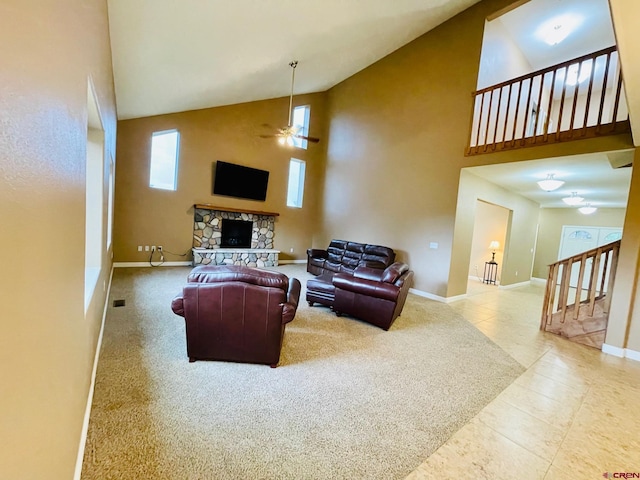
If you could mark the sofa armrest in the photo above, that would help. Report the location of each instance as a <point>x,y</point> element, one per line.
<point>370,288</point>
<point>290,307</point>
<point>317,253</point>
<point>177,305</point>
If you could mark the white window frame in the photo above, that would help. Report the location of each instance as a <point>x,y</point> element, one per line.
<point>157,155</point>
<point>304,112</point>
<point>295,185</point>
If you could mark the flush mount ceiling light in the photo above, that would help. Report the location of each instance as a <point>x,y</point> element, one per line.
<point>556,29</point>
<point>550,184</point>
<point>584,72</point>
<point>587,209</point>
<point>574,199</point>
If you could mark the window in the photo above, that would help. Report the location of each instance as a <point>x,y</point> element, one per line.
<point>112,179</point>
<point>164,159</point>
<point>295,191</point>
<point>301,120</point>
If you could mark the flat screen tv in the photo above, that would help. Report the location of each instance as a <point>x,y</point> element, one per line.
<point>239,181</point>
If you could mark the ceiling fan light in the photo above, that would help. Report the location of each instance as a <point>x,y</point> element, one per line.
<point>587,209</point>
<point>282,140</point>
<point>550,184</point>
<point>574,199</point>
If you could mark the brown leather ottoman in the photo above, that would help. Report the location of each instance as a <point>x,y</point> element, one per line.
<point>321,290</point>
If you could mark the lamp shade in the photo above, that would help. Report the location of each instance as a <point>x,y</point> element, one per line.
<point>549,184</point>
<point>494,245</point>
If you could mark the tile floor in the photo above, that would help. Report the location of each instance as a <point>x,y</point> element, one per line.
<point>574,413</point>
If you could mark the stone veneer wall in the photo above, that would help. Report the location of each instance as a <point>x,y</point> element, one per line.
<point>255,258</point>
<point>207,230</point>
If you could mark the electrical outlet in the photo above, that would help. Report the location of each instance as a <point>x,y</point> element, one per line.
<point>159,248</point>
<point>146,248</point>
<point>153,248</point>
<point>139,248</point>
<point>291,250</point>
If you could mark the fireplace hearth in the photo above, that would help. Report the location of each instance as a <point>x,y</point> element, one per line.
<point>236,233</point>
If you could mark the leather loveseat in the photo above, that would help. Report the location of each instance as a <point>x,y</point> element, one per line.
<point>373,295</point>
<point>236,313</point>
<point>362,278</point>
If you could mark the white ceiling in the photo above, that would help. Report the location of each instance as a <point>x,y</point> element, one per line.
<point>593,32</point>
<point>591,176</point>
<point>171,56</point>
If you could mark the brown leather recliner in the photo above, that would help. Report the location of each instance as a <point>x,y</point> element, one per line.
<point>236,313</point>
<point>373,295</point>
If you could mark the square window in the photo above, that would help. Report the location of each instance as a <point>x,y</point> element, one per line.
<point>164,159</point>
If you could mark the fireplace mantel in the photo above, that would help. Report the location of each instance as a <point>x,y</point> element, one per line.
<point>207,206</point>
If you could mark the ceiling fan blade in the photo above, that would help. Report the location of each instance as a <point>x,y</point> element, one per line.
<point>310,139</point>
<point>269,136</point>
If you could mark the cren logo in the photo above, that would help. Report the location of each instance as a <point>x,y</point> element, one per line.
<point>621,475</point>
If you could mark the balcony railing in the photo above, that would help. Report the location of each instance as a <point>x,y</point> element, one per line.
<point>580,98</point>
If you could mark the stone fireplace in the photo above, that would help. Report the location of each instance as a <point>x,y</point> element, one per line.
<point>227,236</point>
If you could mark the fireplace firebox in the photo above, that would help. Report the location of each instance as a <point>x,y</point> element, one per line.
<point>236,233</point>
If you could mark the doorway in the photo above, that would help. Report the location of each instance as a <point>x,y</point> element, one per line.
<point>490,229</point>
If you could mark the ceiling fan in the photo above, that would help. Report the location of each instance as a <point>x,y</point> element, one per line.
<point>286,134</point>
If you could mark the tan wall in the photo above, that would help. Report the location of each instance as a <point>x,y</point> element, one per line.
<point>623,329</point>
<point>490,224</point>
<point>551,222</point>
<point>398,132</point>
<point>47,344</point>
<point>520,235</point>
<point>147,216</point>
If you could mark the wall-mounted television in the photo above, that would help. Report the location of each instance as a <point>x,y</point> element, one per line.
<point>239,181</point>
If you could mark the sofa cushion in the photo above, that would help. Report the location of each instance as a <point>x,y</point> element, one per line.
<point>322,283</point>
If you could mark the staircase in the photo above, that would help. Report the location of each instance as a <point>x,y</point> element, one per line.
<point>578,295</point>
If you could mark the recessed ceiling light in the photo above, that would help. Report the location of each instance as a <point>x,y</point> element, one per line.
<point>556,29</point>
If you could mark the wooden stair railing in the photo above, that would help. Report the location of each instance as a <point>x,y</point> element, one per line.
<point>579,319</point>
<point>577,99</point>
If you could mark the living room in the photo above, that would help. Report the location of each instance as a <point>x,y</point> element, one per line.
<point>391,161</point>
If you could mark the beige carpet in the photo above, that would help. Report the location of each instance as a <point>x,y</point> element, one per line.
<point>348,401</point>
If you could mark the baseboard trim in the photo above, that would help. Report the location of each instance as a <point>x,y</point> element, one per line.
<point>633,355</point>
<point>146,264</point>
<point>287,262</point>
<point>621,352</point>
<point>515,285</point>
<point>538,281</point>
<point>611,350</point>
<point>437,298</point>
<point>92,384</point>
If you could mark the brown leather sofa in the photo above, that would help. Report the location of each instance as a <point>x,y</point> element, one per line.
<point>344,256</point>
<point>373,295</point>
<point>360,280</point>
<point>236,313</point>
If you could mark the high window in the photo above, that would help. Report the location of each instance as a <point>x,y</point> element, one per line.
<point>301,120</point>
<point>295,192</point>
<point>164,159</point>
